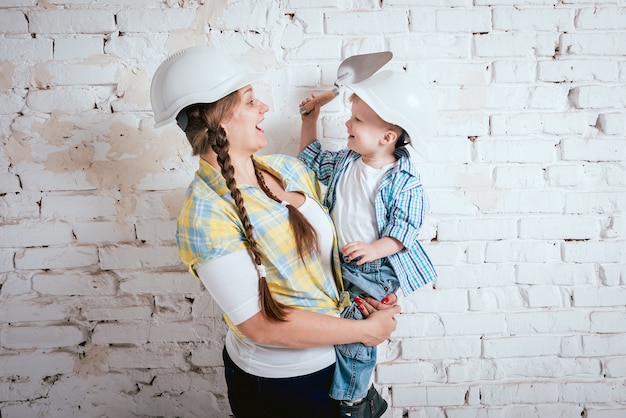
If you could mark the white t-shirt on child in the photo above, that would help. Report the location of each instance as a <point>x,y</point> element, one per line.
<point>353,213</point>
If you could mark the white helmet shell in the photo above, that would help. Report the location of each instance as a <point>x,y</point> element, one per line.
<point>399,99</point>
<point>200,74</point>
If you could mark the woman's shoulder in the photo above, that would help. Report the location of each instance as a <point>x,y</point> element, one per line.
<point>295,173</point>
<point>277,158</point>
<point>202,202</point>
<point>286,165</point>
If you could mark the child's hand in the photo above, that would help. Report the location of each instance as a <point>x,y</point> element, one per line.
<point>356,249</point>
<point>308,128</point>
<point>314,113</point>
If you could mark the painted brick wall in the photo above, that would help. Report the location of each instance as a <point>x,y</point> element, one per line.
<point>526,175</point>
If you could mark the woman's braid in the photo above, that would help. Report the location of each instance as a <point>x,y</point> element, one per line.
<point>307,240</point>
<point>272,308</point>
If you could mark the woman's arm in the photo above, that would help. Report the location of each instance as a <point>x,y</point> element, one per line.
<point>232,281</point>
<point>305,329</point>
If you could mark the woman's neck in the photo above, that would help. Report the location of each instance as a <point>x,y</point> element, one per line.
<point>242,166</point>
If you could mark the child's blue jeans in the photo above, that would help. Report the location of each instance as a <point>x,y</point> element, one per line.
<point>356,362</point>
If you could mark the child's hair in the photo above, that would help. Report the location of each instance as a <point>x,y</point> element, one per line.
<point>204,132</point>
<point>403,136</point>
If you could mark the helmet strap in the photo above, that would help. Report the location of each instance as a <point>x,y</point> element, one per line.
<point>182,119</point>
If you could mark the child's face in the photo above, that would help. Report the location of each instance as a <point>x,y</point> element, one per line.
<point>367,131</point>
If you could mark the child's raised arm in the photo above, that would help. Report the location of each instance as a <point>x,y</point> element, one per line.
<point>308,130</point>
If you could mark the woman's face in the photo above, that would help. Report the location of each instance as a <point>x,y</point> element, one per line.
<point>242,126</point>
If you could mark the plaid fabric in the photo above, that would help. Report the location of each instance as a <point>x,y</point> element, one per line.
<point>209,227</point>
<point>400,208</point>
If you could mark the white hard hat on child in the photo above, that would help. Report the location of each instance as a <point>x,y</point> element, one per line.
<point>200,74</point>
<point>400,100</point>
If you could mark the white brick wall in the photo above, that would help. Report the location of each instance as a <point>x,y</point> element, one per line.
<point>526,177</point>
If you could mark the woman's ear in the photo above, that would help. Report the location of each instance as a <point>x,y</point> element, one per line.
<point>225,124</point>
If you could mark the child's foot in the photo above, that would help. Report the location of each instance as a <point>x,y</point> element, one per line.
<point>373,406</point>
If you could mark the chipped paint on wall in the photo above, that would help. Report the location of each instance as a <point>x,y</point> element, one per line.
<point>93,362</point>
<point>55,131</point>
<point>40,77</point>
<point>260,59</point>
<point>114,153</point>
<point>7,71</point>
<point>207,15</point>
<point>45,4</point>
<point>102,60</point>
<point>125,141</point>
<point>70,160</point>
<point>173,201</point>
<point>213,12</point>
<point>17,149</point>
<point>134,84</point>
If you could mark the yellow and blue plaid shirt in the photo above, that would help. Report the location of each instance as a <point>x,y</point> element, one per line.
<point>209,227</point>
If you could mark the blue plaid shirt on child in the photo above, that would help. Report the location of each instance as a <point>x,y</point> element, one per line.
<point>400,207</point>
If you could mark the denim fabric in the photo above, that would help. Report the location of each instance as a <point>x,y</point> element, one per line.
<point>376,279</point>
<point>355,362</point>
<point>258,397</point>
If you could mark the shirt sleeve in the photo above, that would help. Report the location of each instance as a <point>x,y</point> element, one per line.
<point>208,228</point>
<point>405,216</point>
<point>321,162</point>
<point>233,282</point>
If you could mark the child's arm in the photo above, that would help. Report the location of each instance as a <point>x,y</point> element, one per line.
<point>308,130</point>
<point>380,248</point>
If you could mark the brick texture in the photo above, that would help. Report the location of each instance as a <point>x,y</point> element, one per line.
<point>526,178</point>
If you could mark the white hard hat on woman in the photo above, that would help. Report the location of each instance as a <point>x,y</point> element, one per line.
<point>200,74</point>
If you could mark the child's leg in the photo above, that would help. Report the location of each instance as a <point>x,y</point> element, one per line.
<point>356,362</point>
<point>354,366</point>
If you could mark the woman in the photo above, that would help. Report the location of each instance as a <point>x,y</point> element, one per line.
<point>253,230</point>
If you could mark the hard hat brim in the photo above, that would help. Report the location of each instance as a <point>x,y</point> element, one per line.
<point>398,100</point>
<point>206,96</point>
<point>200,74</point>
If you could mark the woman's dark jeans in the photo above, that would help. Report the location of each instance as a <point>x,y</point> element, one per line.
<point>293,397</point>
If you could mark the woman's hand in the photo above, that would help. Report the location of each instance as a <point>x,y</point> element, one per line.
<point>382,323</point>
<point>370,305</point>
